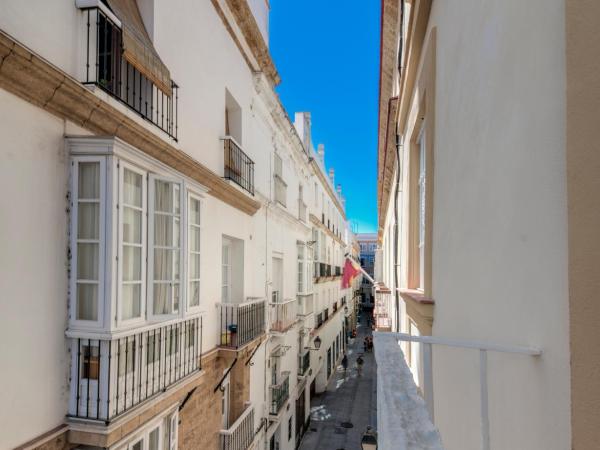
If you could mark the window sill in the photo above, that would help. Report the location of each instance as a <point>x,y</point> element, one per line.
<point>419,308</point>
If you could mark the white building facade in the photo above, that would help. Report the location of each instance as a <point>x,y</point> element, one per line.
<point>167,214</point>
<point>483,182</point>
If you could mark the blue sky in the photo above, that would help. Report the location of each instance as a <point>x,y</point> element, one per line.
<point>327,53</point>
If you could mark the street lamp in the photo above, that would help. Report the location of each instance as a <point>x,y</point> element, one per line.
<point>317,344</point>
<point>369,440</point>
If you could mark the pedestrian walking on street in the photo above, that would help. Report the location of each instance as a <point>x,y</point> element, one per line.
<point>365,344</point>
<point>345,363</point>
<point>359,364</point>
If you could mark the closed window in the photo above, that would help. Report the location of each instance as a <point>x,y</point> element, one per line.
<point>88,232</point>
<point>166,238</point>
<point>132,257</point>
<point>194,251</point>
<point>280,185</point>
<point>226,272</point>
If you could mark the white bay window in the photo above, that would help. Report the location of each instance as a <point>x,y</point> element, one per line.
<point>135,231</point>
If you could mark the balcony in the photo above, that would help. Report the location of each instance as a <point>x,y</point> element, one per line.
<point>238,167</point>
<point>240,435</point>
<point>111,377</point>
<point>240,323</point>
<point>280,392</point>
<point>325,314</point>
<point>303,363</point>
<point>107,69</point>
<point>283,315</point>
<point>305,305</point>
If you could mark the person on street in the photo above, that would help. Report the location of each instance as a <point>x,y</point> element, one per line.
<point>345,363</point>
<point>359,364</point>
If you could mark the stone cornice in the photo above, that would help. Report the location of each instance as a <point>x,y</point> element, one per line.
<point>387,69</point>
<point>387,169</point>
<point>37,81</point>
<point>251,33</point>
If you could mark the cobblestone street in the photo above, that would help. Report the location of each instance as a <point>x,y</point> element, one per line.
<point>350,399</point>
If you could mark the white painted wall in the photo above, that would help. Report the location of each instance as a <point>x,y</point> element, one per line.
<point>499,232</point>
<point>33,275</point>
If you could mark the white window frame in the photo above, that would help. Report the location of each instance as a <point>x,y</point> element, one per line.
<point>421,205</point>
<point>152,178</point>
<point>145,254</point>
<point>191,195</point>
<point>228,244</point>
<point>75,161</point>
<point>172,418</point>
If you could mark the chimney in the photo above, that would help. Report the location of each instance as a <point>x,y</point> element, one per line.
<point>302,125</point>
<point>321,153</point>
<point>332,176</point>
<point>339,190</point>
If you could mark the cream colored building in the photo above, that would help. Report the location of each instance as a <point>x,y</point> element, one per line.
<point>488,192</point>
<point>158,254</point>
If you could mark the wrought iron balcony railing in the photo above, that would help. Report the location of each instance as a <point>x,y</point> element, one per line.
<point>110,377</point>
<point>303,363</point>
<point>280,392</point>
<point>239,168</point>
<point>106,68</point>
<point>240,323</point>
<point>240,435</point>
<point>283,315</point>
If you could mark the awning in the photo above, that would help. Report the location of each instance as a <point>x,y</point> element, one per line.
<point>137,45</point>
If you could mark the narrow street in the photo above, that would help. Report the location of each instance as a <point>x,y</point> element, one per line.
<point>340,415</point>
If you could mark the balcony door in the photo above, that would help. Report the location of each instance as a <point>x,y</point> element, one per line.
<point>277,280</point>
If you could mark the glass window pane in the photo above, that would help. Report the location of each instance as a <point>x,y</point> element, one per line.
<point>162,298</point>
<point>88,220</point>
<point>163,196</point>
<point>132,226</point>
<point>87,261</point>
<point>89,180</point>
<point>87,301</point>
<point>153,439</point>
<point>176,199</point>
<point>194,239</point>
<point>132,188</point>
<point>163,231</point>
<point>176,232</point>
<point>194,211</point>
<point>175,264</point>
<point>194,293</point>
<point>132,263</point>
<point>131,301</point>
<point>163,265</point>
<point>176,298</point>
<point>194,266</point>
